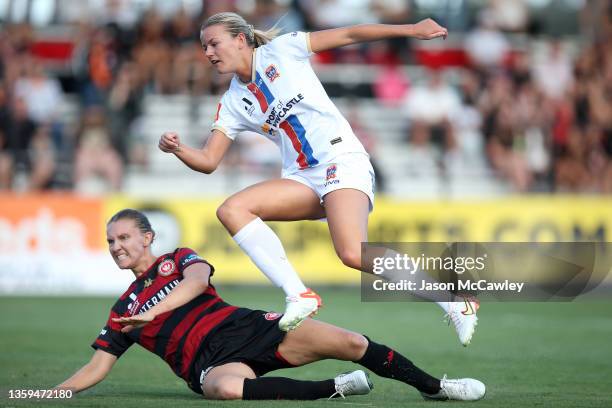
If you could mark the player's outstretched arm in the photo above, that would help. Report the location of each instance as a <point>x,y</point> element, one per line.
<point>338,37</point>
<point>195,282</point>
<point>91,373</point>
<point>204,160</point>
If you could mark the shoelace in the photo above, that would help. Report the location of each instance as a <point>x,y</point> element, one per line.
<point>339,391</point>
<point>341,388</point>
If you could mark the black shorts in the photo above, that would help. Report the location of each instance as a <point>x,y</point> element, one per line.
<point>247,336</point>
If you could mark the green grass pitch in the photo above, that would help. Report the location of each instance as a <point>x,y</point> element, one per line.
<point>528,354</point>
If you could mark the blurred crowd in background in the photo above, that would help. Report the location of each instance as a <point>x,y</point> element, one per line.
<point>529,81</point>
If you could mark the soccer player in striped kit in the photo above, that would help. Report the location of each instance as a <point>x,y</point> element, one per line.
<point>221,350</point>
<point>326,171</point>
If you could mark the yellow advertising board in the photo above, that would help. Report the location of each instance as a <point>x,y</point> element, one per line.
<point>192,223</point>
<point>54,243</point>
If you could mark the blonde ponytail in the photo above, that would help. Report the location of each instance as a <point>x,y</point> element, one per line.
<point>235,24</point>
<point>264,37</point>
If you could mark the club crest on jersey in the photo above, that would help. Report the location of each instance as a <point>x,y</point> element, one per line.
<point>267,129</point>
<point>272,73</point>
<point>166,267</point>
<point>331,172</point>
<point>272,316</point>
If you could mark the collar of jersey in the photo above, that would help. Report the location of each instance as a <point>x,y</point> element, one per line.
<point>149,272</point>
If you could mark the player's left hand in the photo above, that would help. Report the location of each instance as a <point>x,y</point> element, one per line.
<point>428,29</point>
<point>134,322</point>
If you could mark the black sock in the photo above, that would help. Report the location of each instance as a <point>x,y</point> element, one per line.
<point>280,388</point>
<point>390,364</point>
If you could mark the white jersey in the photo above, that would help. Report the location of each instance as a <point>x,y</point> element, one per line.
<point>286,103</point>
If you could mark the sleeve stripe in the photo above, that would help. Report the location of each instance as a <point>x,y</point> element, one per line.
<point>102,343</point>
<point>308,46</point>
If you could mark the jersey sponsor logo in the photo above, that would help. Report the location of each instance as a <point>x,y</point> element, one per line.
<point>133,307</point>
<point>330,177</point>
<point>278,112</point>
<point>272,73</point>
<point>156,298</point>
<point>249,107</point>
<point>331,172</point>
<point>272,316</point>
<point>267,129</point>
<point>166,267</point>
<point>189,258</point>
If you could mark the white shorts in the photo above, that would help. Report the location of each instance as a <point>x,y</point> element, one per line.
<point>349,170</point>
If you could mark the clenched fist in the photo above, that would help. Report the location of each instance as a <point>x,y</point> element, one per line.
<point>169,142</point>
<point>428,29</point>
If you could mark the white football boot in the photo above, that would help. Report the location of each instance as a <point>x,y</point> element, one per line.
<point>463,317</point>
<point>462,389</point>
<point>352,383</point>
<point>298,308</point>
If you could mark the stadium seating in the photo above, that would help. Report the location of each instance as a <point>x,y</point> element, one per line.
<point>191,118</point>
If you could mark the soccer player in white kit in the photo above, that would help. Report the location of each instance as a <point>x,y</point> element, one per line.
<point>326,171</point>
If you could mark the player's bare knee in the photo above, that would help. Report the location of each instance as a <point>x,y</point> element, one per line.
<point>223,212</point>
<point>230,392</point>
<point>356,345</point>
<point>230,209</point>
<point>350,257</point>
<point>227,389</point>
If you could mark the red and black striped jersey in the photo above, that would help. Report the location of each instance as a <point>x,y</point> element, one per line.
<point>176,335</point>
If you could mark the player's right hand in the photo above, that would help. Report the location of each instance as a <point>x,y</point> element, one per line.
<point>169,142</point>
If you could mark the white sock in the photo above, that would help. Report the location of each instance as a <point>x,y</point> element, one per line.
<point>418,276</point>
<point>264,248</point>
